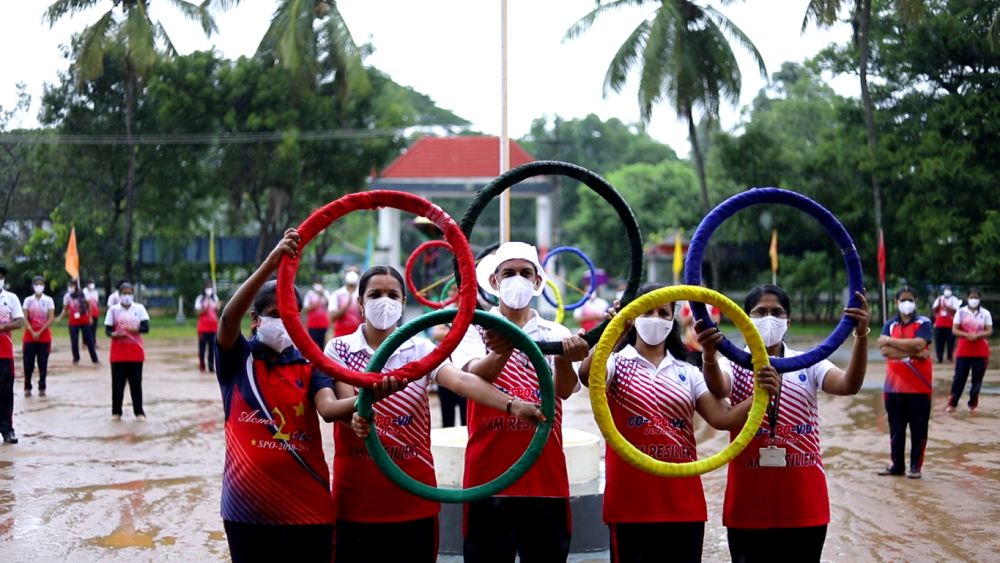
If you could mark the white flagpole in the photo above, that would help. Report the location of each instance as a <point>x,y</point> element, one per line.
<point>504,139</point>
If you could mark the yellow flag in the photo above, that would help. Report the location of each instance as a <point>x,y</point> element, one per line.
<point>72,258</point>
<point>678,255</point>
<point>774,252</point>
<point>211,253</point>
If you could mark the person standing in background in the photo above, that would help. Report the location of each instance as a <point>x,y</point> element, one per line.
<point>591,313</point>
<point>115,297</point>
<point>973,327</point>
<point>125,324</point>
<point>11,318</point>
<point>316,306</point>
<point>94,300</point>
<point>207,305</point>
<point>75,305</point>
<point>344,309</point>
<point>41,312</point>
<point>944,308</point>
<point>448,398</point>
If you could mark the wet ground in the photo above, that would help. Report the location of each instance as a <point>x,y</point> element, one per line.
<point>80,487</point>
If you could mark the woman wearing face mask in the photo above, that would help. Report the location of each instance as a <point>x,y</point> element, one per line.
<point>94,299</point>
<point>125,324</point>
<point>653,395</point>
<point>403,426</point>
<point>207,304</point>
<point>780,493</point>
<point>909,375</point>
<point>973,328</point>
<point>275,486</point>
<point>317,310</point>
<point>40,310</point>
<point>344,311</point>
<point>75,306</point>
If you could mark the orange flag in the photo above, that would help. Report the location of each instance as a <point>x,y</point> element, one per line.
<point>72,258</point>
<point>774,252</point>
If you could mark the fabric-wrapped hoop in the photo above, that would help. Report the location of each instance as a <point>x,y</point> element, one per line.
<point>590,265</point>
<point>411,262</point>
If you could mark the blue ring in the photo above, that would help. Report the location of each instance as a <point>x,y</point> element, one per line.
<point>757,196</point>
<point>593,276</point>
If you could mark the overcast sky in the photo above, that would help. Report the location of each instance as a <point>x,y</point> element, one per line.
<point>450,50</point>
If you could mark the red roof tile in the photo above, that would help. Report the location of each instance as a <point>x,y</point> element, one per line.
<point>454,157</point>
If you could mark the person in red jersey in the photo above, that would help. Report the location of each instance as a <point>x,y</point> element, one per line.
<point>40,310</point>
<point>125,324</point>
<point>11,318</point>
<point>207,305</point>
<point>275,485</point>
<point>909,375</point>
<point>496,528</point>
<point>344,311</point>
<point>77,308</point>
<point>94,299</point>
<point>403,424</point>
<point>653,394</point>
<point>973,328</point>
<point>317,309</point>
<point>944,308</point>
<point>777,507</point>
<point>591,313</point>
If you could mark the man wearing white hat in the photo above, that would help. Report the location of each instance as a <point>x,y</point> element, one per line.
<point>531,518</point>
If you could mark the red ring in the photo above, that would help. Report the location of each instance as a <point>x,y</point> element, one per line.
<point>323,218</point>
<point>412,261</point>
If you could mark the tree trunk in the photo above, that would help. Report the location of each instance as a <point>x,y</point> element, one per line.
<point>705,203</point>
<point>862,27</point>
<point>130,86</point>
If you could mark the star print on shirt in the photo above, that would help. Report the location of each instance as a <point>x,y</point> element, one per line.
<point>300,409</point>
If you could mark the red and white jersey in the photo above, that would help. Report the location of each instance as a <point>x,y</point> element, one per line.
<point>37,311</point>
<point>794,496</point>
<point>114,299</point>
<point>319,317</point>
<point>973,323</point>
<point>653,408</point>
<point>94,299</point>
<point>79,313</point>
<point>496,439</point>
<point>209,320</point>
<point>943,315</point>
<point>121,320</point>
<point>351,319</point>
<point>403,424</point>
<point>10,310</point>
<point>690,335</point>
<point>594,307</point>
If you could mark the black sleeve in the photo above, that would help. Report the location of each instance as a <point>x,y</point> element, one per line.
<point>108,331</point>
<point>143,327</point>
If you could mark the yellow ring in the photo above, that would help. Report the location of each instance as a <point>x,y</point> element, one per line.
<point>598,375</point>
<point>560,309</point>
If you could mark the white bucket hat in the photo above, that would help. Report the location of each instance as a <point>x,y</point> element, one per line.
<point>506,252</point>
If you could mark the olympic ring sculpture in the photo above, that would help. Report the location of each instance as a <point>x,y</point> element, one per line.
<point>411,261</point>
<point>598,375</point>
<point>758,196</point>
<point>595,183</point>
<point>548,407</point>
<point>323,218</point>
<point>560,309</point>
<point>590,265</point>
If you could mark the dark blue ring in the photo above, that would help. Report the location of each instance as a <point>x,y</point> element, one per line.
<point>593,276</point>
<point>758,196</point>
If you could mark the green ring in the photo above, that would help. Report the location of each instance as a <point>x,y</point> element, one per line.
<point>507,478</point>
<point>443,296</point>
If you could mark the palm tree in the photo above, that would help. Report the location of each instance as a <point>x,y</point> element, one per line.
<point>683,55</point>
<point>144,41</point>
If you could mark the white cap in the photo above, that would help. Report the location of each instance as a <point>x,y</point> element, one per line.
<point>506,252</point>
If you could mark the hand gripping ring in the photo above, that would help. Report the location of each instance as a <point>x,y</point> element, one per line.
<point>323,218</point>
<point>527,459</point>
<point>592,181</point>
<point>757,196</point>
<point>411,261</point>
<point>590,265</point>
<point>599,370</point>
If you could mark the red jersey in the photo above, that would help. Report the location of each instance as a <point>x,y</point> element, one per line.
<point>319,317</point>
<point>403,424</point>
<point>594,307</point>
<point>911,375</point>
<point>37,310</point>
<point>351,319</point>
<point>121,320</point>
<point>77,309</point>
<point>496,439</point>
<point>10,310</point>
<point>275,471</point>
<point>690,335</point>
<point>209,320</point>
<point>794,496</point>
<point>94,300</point>
<point>944,316</point>
<point>973,323</point>
<point>653,407</point>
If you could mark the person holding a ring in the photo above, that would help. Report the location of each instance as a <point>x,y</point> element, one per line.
<point>776,492</point>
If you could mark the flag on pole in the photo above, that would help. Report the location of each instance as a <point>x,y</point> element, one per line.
<point>678,257</point>
<point>72,257</point>
<point>211,254</point>
<point>773,253</point>
<point>881,258</point>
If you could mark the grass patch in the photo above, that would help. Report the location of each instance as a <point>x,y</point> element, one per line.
<point>160,328</point>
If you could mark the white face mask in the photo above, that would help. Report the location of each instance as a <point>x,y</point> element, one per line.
<point>318,287</point>
<point>973,302</point>
<point>39,288</point>
<point>771,329</point>
<point>619,294</point>
<point>208,292</point>
<point>653,330</point>
<point>351,278</point>
<point>516,292</point>
<point>272,333</point>
<point>906,307</point>
<point>71,290</point>
<point>126,299</point>
<point>947,293</point>
<point>383,312</point>
<point>91,286</point>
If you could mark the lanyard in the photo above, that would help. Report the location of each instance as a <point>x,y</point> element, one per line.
<point>773,404</point>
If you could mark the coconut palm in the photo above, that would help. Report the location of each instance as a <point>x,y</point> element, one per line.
<point>683,56</point>
<point>126,25</point>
